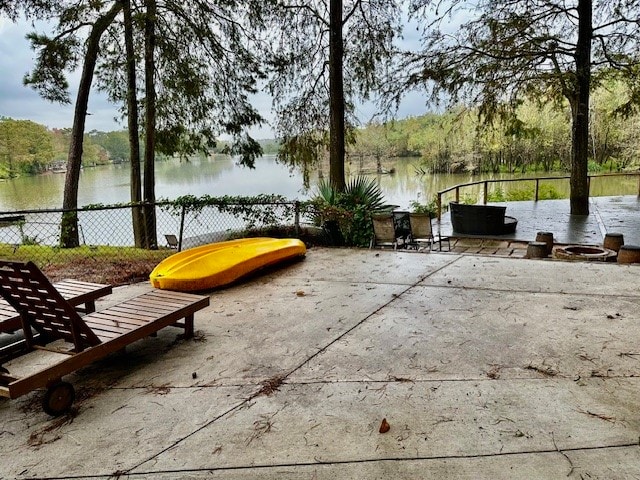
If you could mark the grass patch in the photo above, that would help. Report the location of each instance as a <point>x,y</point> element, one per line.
<point>102,264</point>
<point>121,265</point>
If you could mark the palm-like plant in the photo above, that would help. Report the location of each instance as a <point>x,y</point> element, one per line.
<point>363,191</point>
<point>347,215</point>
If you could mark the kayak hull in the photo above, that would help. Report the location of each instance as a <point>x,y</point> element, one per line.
<point>219,264</point>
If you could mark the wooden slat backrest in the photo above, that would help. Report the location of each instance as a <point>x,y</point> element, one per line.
<point>41,306</point>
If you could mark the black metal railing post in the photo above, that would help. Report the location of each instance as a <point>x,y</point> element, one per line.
<point>182,214</point>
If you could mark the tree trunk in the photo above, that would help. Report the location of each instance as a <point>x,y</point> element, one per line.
<point>150,126</point>
<point>69,236</point>
<point>132,123</point>
<point>336,98</point>
<point>580,112</point>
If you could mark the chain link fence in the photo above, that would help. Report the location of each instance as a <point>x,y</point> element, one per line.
<point>106,232</point>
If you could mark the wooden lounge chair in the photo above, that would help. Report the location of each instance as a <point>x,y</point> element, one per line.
<point>81,340</point>
<point>422,232</point>
<point>384,231</point>
<point>75,292</point>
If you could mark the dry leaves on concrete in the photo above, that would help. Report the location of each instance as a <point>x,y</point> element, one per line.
<point>384,426</point>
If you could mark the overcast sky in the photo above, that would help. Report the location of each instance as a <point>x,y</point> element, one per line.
<point>20,102</point>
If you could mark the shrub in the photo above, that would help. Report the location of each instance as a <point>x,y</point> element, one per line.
<point>498,195</point>
<point>469,199</point>
<point>430,208</point>
<point>593,167</point>
<point>548,192</point>
<point>545,192</point>
<point>346,216</point>
<point>520,194</point>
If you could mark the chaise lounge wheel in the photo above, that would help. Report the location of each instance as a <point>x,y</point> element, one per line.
<point>58,398</point>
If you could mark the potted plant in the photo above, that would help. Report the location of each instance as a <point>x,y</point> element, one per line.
<point>429,208</point>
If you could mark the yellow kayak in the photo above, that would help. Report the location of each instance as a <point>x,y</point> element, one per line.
<point>218,264</point>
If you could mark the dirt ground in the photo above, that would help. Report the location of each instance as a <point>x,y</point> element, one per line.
<point>116,272</point>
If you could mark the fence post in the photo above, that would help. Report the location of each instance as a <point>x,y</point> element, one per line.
<point>537,187</point>
<point>296,220</point>
<point>457,195</point>
<point>486,191</point>
<point>184,207</point>
<point>439,204</point>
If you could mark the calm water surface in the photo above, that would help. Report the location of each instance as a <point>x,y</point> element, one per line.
<point>217,176</point>
<point>109,184</point>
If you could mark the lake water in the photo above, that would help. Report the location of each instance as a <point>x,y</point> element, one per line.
<point>220,175</point>
<point>109,184</point>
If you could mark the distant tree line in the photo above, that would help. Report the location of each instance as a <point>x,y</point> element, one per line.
<point>28,148</point>
<point>453,141</point>
<point>537,139</point>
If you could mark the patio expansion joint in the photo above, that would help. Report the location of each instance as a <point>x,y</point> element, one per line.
<point>390,380</point>
<point>590,294</point>
<point>544,451</point>
<point>596,213</point>
<point>404,380</point>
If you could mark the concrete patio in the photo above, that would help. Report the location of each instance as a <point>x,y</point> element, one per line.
<point>484,367</point>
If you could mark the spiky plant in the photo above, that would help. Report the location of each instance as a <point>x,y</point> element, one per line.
<point>350,211</point>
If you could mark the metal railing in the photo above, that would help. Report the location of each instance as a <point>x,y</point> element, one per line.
<point>536,180</point>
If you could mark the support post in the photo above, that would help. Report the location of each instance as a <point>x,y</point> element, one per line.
<point>182,214</point>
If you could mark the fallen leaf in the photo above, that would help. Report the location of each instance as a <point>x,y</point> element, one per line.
<point>384,426</point>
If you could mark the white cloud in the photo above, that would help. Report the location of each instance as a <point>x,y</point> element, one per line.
<point>21,102</point>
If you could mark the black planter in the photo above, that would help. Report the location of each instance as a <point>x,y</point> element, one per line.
<point>332,233</point>
<point>481,219</point>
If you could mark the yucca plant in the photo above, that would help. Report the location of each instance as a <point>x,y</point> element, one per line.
<point>346,216</point>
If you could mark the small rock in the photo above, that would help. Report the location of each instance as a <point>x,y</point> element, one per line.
<point>194,375</point>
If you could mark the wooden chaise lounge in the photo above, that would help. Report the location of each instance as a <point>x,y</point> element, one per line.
<point>81,340</point>
<point>75,292</point>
